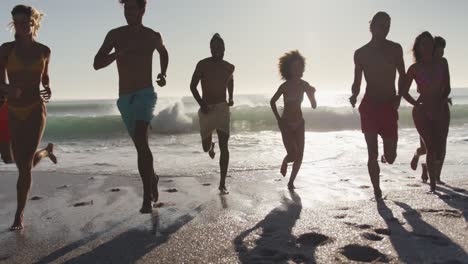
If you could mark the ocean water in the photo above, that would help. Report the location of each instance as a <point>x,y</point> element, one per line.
<point>90,137</point>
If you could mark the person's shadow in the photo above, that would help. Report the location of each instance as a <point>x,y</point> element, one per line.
<point>424,244</point>
<point>275,243</point>
<point>129,246</point>
<point>454,199</point>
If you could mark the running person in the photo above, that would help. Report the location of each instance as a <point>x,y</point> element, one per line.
<point>379,60</point>
<point>134,46</point>
<point>26,62</point>
<point>216,77</point>
<point>291,122</point>
<point>431,112</point>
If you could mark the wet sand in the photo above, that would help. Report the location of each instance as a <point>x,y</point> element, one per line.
<point>94,219</point>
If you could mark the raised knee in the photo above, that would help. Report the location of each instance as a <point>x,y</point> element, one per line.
<point>390,158</point>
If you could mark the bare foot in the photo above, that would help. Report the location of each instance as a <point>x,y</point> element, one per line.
<point>284,168</point>
<point>222,190</point>
<point>146,208</point>
<point>415,161</point>
<point>154,186</point>
<point>50,149</point>
<point>291,186</point>
<point>424,175</point>
<point>212,152</point>
<point>378,195</point>
<point>18,223</point>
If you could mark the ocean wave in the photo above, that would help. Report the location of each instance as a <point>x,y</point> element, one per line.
<point>174,120</point>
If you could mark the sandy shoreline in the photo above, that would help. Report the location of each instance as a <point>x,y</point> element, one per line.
<point>258,222</point>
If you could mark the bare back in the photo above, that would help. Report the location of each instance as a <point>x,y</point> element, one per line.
<point>379,65</point>
<point>215,77</point>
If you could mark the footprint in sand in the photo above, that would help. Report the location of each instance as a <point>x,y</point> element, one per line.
<point>313,239</point>
<point>171,190</point>
<point>413,185</point>
<point>168,181</point>
<point>443,212</point>
<point>383,231</point>
<point>278,180</point>
<point>343,209</point>
<point>410,177</point>
<point>340,216</point>
<point>388,180</point>
<point>36,198</point>
<point>206,184</point>
<point>63,187</point>
<point>359,226</point>
<point>372,237</point>
<point>83,203</point>
<point>344,180</point>
<point>364,187</point>
<point>362,253</point>
<point>115,190</point>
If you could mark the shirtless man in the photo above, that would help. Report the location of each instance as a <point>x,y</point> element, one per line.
<point>216,76</point>
<point>379,60</point>
<point>134,46</point>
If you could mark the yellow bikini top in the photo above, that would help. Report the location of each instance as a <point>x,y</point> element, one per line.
<point>15,64</point>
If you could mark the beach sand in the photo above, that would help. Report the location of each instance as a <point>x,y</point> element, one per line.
<point>76,218</point>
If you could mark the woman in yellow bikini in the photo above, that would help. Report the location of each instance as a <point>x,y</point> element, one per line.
<point>25,61</point>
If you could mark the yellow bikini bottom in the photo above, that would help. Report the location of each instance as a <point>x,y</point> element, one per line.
<point>23,112</point>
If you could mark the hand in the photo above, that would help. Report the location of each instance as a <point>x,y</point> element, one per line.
<point>204,108</point>
<point>353,100</point>
<point>230,103</point>
<point>46,94</point>
<point>161,80</point>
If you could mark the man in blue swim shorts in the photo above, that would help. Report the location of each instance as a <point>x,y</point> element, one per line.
<point>134,46</point>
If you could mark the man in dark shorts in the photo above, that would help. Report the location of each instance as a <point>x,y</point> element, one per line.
<point>134,45</point>
<point>379,60</point>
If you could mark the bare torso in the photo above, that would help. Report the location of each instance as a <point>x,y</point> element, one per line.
<point>293,96</point>
<point>214,76</point>
<point>135,65</point>
<point>379,65</point>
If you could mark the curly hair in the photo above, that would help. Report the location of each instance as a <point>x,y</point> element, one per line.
<point>416,52</point>
<point>32,13</point>
<point>141,3</point>
<point>287,60</point>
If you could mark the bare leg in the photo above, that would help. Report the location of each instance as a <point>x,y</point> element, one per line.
<point>209,146</point>
<point>223,159</point>
<point>419,152</point>
<point>48,152</point>
<point>299,137</point>
<point>5,151</point>
<point>373,164</point>
<point>145,165</point>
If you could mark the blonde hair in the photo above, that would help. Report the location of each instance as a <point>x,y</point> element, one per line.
<point>34,15</point>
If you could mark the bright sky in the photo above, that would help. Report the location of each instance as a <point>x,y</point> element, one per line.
<point>256,33</point>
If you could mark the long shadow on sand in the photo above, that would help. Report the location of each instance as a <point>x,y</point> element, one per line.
<point>276,243</point>
<point>127,247</point>
<point>455,200</point>
<point>424,244</point>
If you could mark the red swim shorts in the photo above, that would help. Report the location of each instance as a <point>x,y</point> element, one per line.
<point>4,129</point>
<point>381,119</point>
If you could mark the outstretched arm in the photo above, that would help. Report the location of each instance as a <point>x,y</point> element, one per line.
<point>448,87</point>
<point>231,91</point>
<point>356,88</point>
<point>3,61</point>
<point>47,92</point>
<point>404,91</point>
<point>196,77</point>
<point>273,100</point>
<point>401,73</point>
<point>104,58</point>
<point>163,60</point>
<point>310,91</point>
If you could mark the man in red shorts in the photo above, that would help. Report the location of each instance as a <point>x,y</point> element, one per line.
<point>379,60</point>
<point>5,145</point>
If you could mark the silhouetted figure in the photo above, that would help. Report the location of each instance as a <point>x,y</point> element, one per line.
<point>439,49</point>
<point>379,60</point>
<point>431,111</point>
<point>291,122</point>
<point>5,138</point>
<point>26,62</point>
<point>134,46</point>
<point>216,77</point>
